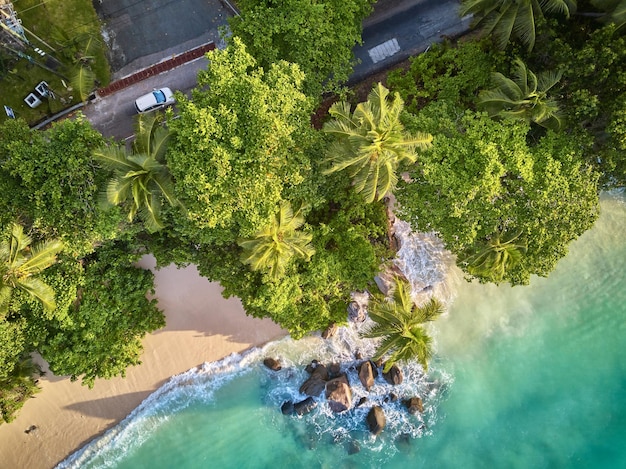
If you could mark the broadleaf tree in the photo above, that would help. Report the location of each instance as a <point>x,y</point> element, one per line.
<point>482,178</point>
<point>51,180</point>
<point>318,36</point>
<point>240,146</point>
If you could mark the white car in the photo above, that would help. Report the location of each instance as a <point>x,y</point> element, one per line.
<point>156,99</point>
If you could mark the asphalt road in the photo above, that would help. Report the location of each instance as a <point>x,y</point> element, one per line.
<point>140,33</point>
<point>406,29</point>
<point>113,115</point>
<point>410,30</point>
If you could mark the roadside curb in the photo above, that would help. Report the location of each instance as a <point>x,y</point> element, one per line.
<point>163,66</point>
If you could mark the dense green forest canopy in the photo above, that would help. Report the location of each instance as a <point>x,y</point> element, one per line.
<point>242,185</point>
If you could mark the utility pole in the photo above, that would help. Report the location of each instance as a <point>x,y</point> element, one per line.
<point>11,25</point>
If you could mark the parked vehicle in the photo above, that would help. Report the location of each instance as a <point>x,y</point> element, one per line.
<point>156,99</point>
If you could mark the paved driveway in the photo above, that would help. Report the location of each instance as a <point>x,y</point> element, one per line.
<point>140,33</point>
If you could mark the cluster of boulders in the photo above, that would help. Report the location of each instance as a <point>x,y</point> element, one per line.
<point>333,383</point>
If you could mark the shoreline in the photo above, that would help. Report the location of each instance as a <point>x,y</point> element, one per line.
<point>201,326</point>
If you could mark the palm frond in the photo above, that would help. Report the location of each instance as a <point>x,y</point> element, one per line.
<point>83,81</point>
<point>42,256</point>
<point>39,290</point>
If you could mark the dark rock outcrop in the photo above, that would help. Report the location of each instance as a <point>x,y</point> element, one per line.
<point>339,394</point>
<point>287,408</point>
<point>362,401</point>
<point>313,386</point>
<point>316,369</point>
<point>272,364</point>
<point>366,375</point>
<point>376,420</point>
<point>394,375</point>
<point>305,406</point>
<point>334,370</point>
<point>391,398</point>
<point>414,405</point>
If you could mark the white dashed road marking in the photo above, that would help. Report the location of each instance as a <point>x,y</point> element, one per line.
<point>384,50</point>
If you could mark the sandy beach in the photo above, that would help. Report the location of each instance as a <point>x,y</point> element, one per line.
<point>201,326</point>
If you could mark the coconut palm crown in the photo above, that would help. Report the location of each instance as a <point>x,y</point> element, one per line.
<point>525,96</point>
<point>141,177</point>
<point>275,245</point>
<point>504,19</point>
<point>400,323</point>
<point>497,256</point>
<point>19,265</point>
<point>615,12</point>
<point>371,142</point>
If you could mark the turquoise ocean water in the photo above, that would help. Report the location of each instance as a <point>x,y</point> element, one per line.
<point>525,377</point>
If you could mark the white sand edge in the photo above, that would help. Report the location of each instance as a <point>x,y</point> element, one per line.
<point>201,326</point>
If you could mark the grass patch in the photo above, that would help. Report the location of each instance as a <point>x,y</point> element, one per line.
<point>63,28</point>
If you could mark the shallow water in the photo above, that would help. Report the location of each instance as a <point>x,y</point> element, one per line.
<point>524,377</point>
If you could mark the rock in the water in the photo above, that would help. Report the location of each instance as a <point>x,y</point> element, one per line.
<point>414,405</point>
<point>394,375</point>
<point>339,394</point>
<point>305,406</point>
<point>272,364</point>
<point>287,408</point>
<point>353,447</point>
<point>366,375</point>
<point>316,369</point>
<point>376,420</point>
<point>311,366</point>
<point>334,370</point>
<point>362,401</point>
<point>330,331</point>
<point>313,386</point>
<point>358,355</point>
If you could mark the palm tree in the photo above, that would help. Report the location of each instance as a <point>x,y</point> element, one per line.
<point>523,97</point>
<point>19,265</point>
<point>615,12</point>
<point>273,247</point>
<point>506,18</point>
<point>141,176</point>
<point>400,323</point>
<point>371,142</point>
<point>496,256</point>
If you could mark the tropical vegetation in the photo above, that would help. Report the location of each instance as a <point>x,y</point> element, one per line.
<point>517,133</point>
<point>371,142</point>
<point>275,245</point>
<point>506,20</point>
<point>75,57</point>
<point>525,96</point>
<point>19,265</point>
<point>140,177</point>
<point>399,322</point>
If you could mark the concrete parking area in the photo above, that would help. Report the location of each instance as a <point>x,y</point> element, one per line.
<point>140,33</point>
